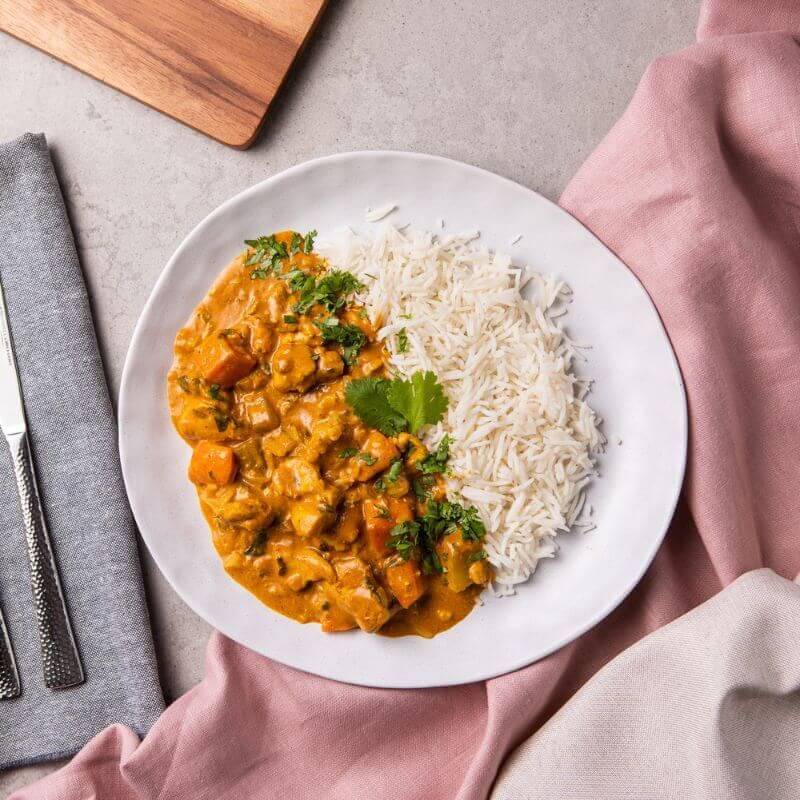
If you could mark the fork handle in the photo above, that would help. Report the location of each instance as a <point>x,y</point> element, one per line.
<point>9,677</point>
<point>60,660</point>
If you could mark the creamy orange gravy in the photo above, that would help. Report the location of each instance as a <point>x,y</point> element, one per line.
<point>286,472</point>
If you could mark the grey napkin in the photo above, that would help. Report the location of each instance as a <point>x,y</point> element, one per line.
<point>706,708</point>
<point>73,436</point>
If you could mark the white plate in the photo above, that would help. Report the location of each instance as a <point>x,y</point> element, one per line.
<point>638,392</point>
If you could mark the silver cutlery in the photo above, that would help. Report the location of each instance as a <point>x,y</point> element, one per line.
<point>60,660</point>
<point>9,677</point>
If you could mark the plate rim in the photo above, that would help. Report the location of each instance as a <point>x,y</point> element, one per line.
<point>603,611</point>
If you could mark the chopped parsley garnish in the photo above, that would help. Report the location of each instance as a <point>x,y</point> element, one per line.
<point>256,547</point>
<point>268,253</point>
<point>478,555</point>
<point>436,462</point>
<point>348,452</point>
<point>367,458</point>
<point>290,319</point>
<point>397,405</point>
<point>472,527</point>
<point>402,341</point>
<point>405,316</point>
<point>349,337</point>
<point>221,420</point>
<point>331,291</point>
<point>418,539</point>
<point>213,390</point>
<point>414,540</point>
<point>266,257</point>
<point>391,476</point>
<point>300,281</point>
<point>422,487</point>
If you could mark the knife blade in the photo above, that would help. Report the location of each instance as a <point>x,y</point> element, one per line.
<point>61,662</point>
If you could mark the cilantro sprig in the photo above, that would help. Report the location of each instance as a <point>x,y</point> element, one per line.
<point>398,405</point>
<point>368,398</point>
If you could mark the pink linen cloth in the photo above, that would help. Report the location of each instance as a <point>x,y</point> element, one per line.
<point>697,189</point>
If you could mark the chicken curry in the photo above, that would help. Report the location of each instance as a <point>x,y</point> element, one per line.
<point>322,499</point>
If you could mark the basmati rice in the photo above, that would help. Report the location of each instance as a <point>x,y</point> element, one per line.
<point>524,437</point>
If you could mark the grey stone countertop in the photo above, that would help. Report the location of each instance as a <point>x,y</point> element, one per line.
<point>525,88</point>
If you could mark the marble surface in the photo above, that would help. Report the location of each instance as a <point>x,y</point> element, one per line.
<point>525,88</point>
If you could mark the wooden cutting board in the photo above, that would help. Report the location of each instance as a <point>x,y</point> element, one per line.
<point>215,65</point>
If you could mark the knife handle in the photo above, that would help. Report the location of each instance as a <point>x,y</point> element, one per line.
<point>9,677</point>
<point>60,660</point>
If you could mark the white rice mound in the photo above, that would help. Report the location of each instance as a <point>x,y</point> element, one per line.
<point>524,438</point>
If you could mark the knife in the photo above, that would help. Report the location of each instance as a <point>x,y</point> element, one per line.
<point>61,663</point>
<point>9,677</point>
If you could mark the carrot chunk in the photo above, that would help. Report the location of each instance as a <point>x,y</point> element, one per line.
<point>222,363</point>
<point>212,463</point>
<point>406,582</point>
<point>377,526</point>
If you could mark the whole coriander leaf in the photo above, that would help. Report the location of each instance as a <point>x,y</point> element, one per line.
<point>421,400</point>
<point>367,397</point>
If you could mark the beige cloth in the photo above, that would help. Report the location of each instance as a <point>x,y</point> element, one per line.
<point>706,707</point>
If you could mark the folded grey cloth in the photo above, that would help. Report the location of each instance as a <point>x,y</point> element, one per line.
<point>707,707</point>
<point>73,436</point>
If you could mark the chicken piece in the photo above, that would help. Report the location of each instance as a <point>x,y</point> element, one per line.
<point>295,478</point>
<point>349,526</point>
<point>324,432</point>
<point>380,516</point>
<point>335,620</point>
<point>416,453</point>
<point>277,294</point>
<point>480,572</point>
<point>329,365</point>
<point>250,460</point>
<point>201,419</point>
<point>405,582</point>
<point>260,413</point>
<point>379,452</point>
<point>279,443</point>
<point>311,516</point>
<point>457,557</point>
<point>308,566</point>
<point>360,595</point>
<point>293,368</point>
<point>212,463</point>
<point>241,506</point>
<point>223,362</point>
<point>260,336</point>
